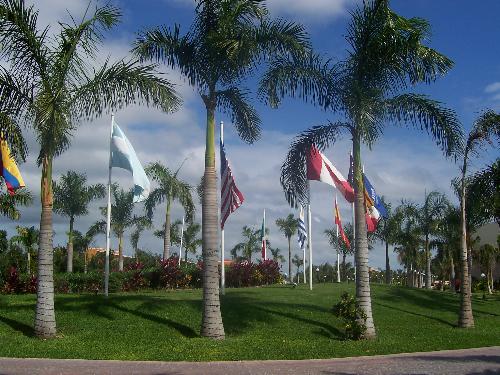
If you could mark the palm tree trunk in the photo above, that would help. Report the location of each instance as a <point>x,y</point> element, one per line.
<point>290,260</point>
<point>363,297</point>
<point>69,258</point>
<point>427,263</point>
<point>211,325</point>
<point>120,252</point>
<point>452,275</point>
<point>388,277</point>
<point>45,320</point>
<point>166,237</point>
<point>465,319</point>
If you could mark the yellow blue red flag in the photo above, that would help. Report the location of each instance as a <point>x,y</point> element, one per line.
<point>9,170</point>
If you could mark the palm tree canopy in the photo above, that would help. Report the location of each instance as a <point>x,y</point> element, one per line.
<point>252,243</point>
<point>175,233</point>
<point>169,187</point>
<point>27,236</point>
<point>141,224</point>
<point>484,187</point>
<point>72,195</point>
<point>228,40</point>
<point>288,226</point>
<point>191,241</point>
<point>52,84</point>
<point>368,89</point>
<point>9,203</point>
<point>387,228</point>
<point>122,211</point>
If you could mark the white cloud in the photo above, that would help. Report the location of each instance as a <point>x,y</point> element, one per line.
<point>492,87</point>
<point>317,9</point>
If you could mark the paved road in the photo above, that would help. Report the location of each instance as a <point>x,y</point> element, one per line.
<point>482,361</point>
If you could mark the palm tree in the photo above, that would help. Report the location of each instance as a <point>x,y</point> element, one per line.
<point>484,130</point>
<point>71,198</point>
<point>338,245</point>
<point>228,39</point>
<point>288,226</point>
<point>276,254</point>
<point>251,244</point>
<point>484,186</point>
<point>28,237</point>
<point>386,232</point>
<point>298,263</point>
<point>9,203</point>
<point>488,256</point>
<point>191,241</point>
<point>140,225</point>
<point>52,85</point>
<point>429,216</point>
<point>82,242</point>
<point>170,188</point>
<point>387,57</point>
<point>175,233</point>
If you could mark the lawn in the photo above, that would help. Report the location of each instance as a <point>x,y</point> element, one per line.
<point>276,322</point>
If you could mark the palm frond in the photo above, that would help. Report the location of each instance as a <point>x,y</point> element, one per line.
<point>120,84</point>
<point>293,171</point>
<point>15,93</point>
<point>421,112</point>
<point>485,129</point>
<point>11,132</point>
<point>245,118</point>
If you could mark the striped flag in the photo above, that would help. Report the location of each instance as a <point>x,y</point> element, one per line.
<point>231,197</point>
<point>9,170</point>
<point>338,222</point>
<point>301,230</point>
<point>321,169</point>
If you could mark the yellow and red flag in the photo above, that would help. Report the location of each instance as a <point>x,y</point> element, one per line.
<point>340,229</point>
<point>9,170</point>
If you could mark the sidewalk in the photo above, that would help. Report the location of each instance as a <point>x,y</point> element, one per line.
<point>481,361</point>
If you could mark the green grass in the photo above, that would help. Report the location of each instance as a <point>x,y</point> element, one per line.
<point>275,322</point>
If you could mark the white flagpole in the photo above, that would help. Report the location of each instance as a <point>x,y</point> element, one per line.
<point>264,237</point>
<point>303,253</point>
<point>338,252</point>
<point>108,214</point>
<point>182,237</point>
<point>222,267</point>
<point>309,242</point>
<point>353,219</point>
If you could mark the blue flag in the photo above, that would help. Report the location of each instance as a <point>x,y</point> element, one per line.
<point>373,199</point>
<point>123,156</point>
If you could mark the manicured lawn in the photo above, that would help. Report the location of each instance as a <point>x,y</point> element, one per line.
<point>275,322</point>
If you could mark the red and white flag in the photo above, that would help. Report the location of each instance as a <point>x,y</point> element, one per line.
<point>230,197</point>
<point>319,168</point>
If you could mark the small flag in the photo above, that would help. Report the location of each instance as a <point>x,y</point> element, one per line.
<point>263,236</point>
<point>9,170</point>
<point>374,206</point>
<point>231,197</point>
<point>123,156</point>
<point>338,222</point>
<point>301,230</point>
<point>321,169</point>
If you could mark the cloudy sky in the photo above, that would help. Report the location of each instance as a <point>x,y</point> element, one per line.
<point>403,164</point>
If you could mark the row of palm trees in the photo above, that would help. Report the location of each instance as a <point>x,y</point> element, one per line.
<point>50,86</point>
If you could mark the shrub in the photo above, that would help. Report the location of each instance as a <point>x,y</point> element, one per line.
<point>12,283</point>
<point>78,282</point>
<point>246,273</point>
<point>354,318</point>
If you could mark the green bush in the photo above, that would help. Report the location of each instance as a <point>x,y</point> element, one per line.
<point>354,318</point>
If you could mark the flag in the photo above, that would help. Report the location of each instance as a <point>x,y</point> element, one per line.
<point>231,197</point>
<point>263,236</point>
<point>123,156</point>
<point>338,222</point>
<point>301,229</point>
<point>374,206</point>
<point>9,170</point>
<point>321,169</point>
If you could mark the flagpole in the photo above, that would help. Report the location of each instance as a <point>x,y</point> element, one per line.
<point>264,236</point>
<point>304,259</point>
<point>353,219</point>
<point>182,235</point>
<point>222,266</point>
<point>338,252</point>
<point>309,243</point>
<point>108,214</point>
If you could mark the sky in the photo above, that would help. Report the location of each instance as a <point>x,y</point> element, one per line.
<point>403,164</point>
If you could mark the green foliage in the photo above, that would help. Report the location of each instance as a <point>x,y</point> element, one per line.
<point>354,318</point>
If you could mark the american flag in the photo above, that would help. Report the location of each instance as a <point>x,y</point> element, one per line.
<point>301,230</point>
<point>231,197</point>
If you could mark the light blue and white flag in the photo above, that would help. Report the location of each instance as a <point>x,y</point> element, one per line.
<point>301,230</point>
<point>123,156</point>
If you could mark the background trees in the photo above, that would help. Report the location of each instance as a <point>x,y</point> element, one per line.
<point>288,226</point>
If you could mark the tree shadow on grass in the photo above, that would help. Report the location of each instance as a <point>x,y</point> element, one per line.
<point>439,320</point>
<point>25,329</point>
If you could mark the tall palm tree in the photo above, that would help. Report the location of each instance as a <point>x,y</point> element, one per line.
<point>52,86</point>
<point>72,197</point>
<point>140,225</point>
<point>386,232</point>
<point>191,242</point>
<point>288,226</point>
<point>484,130</point>
<point>169,188</point>
<point>28,238</point>
<point>227,40</point>
<point>9,203</point>
<point>370,88</point>
<point>429,216</point>
<point>251,244</point>
<point>484,187</point>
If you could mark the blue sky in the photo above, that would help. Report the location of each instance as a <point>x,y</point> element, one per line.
<point>403,164</point>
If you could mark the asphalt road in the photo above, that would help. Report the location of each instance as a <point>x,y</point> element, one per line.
<point>481,361</point>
